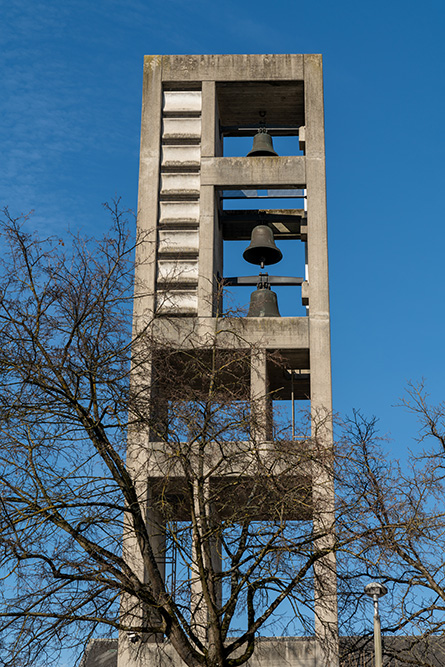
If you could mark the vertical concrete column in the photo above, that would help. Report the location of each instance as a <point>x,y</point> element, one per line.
<point>198,605</point>
<point>320,362</point>
<point>131,611</point>
<point>156,532</point>
<point>261,409</point>
<point>207,222</point>
<point>148,194</point>
<point>208,115</point>
<point>206,278</point>
<point>134,613</point>
<point>143,310</point>
<point>145,283</point>
<point>217,565</point>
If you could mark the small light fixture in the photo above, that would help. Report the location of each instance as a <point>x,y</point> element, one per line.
<point>376,590</point>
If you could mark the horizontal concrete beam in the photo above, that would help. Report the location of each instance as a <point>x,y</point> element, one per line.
<point>286,223</point>
<point>285,333</point>
<point>228,67</point>
<point>257,172</point>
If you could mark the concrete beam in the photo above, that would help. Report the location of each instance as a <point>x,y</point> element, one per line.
<point>259,172</point>
<point>286,224</point>
<point>284,333</point>
<point>276,652</point>
<point>230,67</point>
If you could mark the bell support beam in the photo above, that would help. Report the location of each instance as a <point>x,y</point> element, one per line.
<point>288,333</point>
<point>289,224</point>
<point>254,280</point>
<point>262,172</point>
<point>251,130</point>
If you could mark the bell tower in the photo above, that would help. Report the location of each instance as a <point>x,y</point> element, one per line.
<point>195,203</point>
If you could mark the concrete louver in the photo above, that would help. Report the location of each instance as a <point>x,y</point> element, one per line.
<point>179,209</point>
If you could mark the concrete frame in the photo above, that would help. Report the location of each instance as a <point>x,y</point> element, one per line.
<point>181,170</point>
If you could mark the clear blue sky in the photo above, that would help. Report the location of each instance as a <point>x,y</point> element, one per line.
<point>69,133</point>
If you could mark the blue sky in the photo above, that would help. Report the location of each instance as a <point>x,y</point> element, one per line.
<point>69,135</point>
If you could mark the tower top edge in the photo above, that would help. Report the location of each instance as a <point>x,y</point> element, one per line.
<point>231,55</point>
<point>232,67</point>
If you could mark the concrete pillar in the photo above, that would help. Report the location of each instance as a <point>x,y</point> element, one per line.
<point>156,532</point>
<point>150,153</point>
<point>131,611</point>
<point>198,605</point>
<point>206,281</point>
<point>320,363</point>
<point>261,405</point>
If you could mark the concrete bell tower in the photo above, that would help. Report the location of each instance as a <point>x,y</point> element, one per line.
<point>187,186</point>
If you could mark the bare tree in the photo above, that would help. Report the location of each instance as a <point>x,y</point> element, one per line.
<point>83,524</point>
<point>395,515</point>
<point>65,322</point>
<point>87,521</point>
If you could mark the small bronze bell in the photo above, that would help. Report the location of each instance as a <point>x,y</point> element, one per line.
<point>262,249</point>
<point>262,145</point>
<point>263,303</point>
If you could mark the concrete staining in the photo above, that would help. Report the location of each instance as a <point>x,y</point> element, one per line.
<point>273,652</point>
<point>189,104</point>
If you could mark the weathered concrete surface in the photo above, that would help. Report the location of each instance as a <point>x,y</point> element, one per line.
<point>242,332</point>
<point>273,652</point>
<point>174,212</point>
<point>181,156</point>
<point>298,652</point>
<point>180,101</point>
<point>263,172</point>
<point>182,271</point>
<point>228,67</point>
<point>178,241</point>
<point>180,184</point>
<point>171,302</point>
<point>181,128</point>
<point>100,653</point>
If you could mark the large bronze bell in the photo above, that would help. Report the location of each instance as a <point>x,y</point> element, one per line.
<point>262,249</point>
<point>262,145</point>
<point>263,303</point>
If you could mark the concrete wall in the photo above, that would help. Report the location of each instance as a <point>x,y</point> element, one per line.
<point>274,652</point>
